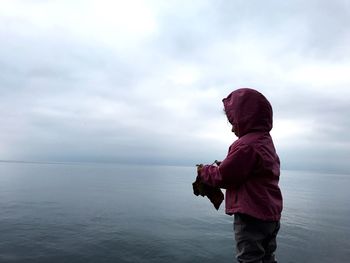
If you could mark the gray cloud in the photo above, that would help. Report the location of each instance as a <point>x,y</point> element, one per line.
<point>93,91</point>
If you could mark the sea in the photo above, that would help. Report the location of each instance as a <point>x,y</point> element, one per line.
<point>128,213</point>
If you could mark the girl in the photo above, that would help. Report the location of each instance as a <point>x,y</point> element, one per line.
<point>250,175</point>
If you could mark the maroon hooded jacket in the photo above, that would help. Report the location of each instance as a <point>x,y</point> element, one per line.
<point>250,172</point>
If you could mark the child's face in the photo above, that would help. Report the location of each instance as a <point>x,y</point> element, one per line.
<point>234,130</point>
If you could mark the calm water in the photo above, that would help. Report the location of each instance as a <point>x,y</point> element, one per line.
<point>110,213</point>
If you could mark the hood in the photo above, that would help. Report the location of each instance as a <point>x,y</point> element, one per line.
<point>248,111</point>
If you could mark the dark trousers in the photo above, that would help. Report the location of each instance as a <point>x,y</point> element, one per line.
<point>255,239</point>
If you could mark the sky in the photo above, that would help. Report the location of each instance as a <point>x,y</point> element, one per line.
<point>141,82</point>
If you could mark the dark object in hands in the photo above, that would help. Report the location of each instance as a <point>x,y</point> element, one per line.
<point>217,162</point>
<point>214,194</point>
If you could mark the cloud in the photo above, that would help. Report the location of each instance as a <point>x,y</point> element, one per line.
<point>105,81</point>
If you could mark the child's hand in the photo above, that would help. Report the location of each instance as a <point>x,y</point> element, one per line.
<point>199,168</point>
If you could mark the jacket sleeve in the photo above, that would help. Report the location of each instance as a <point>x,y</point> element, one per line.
<point>234,170</point>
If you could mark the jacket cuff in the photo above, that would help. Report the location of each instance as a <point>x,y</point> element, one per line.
<point>210,175</point>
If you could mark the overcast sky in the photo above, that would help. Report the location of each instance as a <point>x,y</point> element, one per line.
<point>142,81</point>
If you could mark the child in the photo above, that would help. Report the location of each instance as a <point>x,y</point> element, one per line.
<point>250,175</point>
